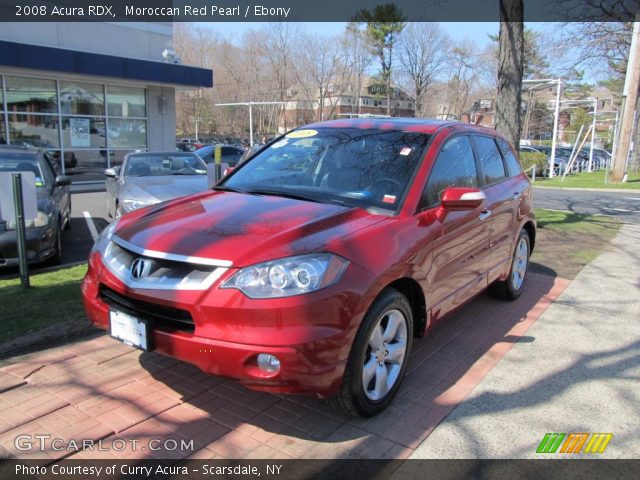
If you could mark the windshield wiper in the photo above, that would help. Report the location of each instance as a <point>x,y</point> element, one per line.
<point>296,196</point>
<point>222,188</point>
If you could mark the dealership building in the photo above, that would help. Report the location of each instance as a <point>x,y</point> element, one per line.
<point>91,92</point>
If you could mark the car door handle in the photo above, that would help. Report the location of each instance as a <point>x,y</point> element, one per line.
<point>484,214</point>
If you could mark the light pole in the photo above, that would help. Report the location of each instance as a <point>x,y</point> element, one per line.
<point>250,105</point>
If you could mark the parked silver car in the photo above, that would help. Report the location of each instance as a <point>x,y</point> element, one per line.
<point>146,178</point>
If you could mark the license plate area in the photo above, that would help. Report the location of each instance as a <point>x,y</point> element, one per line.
<point>130,330</point>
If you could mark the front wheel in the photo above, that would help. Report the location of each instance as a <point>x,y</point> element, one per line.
<point>379,356</point>
<point>513,285</point>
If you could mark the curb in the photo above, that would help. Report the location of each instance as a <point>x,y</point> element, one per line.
<point>605,190</point>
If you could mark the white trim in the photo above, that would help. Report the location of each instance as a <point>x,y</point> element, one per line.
<point>213,262</point>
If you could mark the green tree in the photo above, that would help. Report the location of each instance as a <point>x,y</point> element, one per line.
<point>383,26</point>
<point>535,63</point>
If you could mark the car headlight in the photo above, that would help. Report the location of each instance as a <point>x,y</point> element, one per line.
<point>41,220</point>
<point>102,242</point>
<point>288,276</point>
<point>131,205</point>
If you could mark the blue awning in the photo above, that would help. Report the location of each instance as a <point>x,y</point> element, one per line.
<point>84,63</point>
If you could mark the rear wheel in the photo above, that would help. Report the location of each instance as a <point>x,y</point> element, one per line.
<point>513,285</point>
<point>379,356</point>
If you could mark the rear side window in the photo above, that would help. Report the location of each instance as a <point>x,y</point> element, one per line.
<point>490,159</point>
<point>454,166</point>
<point>513,165</point>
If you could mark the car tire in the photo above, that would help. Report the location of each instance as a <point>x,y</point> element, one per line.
<point>67,225</point>
<point>56,259</point>
<point>511,288</point>
<point>389,322</point>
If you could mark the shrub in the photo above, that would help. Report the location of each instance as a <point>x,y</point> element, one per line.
<point>529,159</point>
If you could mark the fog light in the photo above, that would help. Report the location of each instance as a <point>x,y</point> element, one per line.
<point>268,363</point>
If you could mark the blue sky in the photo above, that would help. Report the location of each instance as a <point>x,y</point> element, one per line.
<point>477,31</point>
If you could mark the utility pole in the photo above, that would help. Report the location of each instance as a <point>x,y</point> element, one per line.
<point>554,141</point>
<point>629,100</point>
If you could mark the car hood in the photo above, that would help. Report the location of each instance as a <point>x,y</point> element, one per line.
<point>160,189</point>
<point>240,228</point>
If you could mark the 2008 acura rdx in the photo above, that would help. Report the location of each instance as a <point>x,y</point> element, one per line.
<point>312,266</point>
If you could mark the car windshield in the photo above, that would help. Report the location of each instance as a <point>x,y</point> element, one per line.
<point>348,166</point>
<point>22,162</point>
<point>163,164</point>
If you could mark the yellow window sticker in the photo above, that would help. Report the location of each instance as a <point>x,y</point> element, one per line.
<point>302,134</point>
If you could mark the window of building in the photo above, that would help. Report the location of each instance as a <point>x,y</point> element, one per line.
<point>32,95</point>
<point>454,166</point>
<point>91,126</point>
<point>81,99</point>
<point>38,131</point>
<point>126,102</point>
<point>490,159</point>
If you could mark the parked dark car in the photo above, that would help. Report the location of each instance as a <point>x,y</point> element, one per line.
<point>230,154</point>
<point>44,233</point>
<point>313,265</point>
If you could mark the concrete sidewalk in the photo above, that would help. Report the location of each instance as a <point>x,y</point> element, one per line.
<point>576,370</point>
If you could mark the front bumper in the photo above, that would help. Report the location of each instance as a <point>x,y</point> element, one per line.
<point>40,242</point>
<point>310,334</point>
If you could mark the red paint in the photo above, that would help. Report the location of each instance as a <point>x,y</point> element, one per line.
<point>450,253</point>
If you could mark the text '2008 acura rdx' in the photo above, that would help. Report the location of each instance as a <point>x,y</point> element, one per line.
<point>312,267</point>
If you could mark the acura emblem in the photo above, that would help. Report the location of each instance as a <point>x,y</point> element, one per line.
<point>139,268</point>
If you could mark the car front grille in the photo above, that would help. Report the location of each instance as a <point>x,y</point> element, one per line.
<point>158,316</point>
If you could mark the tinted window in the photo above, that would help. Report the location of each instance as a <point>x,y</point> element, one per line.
<point>23,162</point>
<point>454,166</point>
<point>349,166</point>
<point>490,159</point>
<point>513,165</point>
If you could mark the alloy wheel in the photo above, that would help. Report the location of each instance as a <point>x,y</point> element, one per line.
<point>520,261</point>
<point>385,355</point>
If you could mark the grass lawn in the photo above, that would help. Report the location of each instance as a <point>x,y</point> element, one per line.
<point>54,298</point>
<point>588,180</point>
<point>566,242</point>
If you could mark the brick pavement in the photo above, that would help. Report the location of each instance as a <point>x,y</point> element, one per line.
<point>100,389</point>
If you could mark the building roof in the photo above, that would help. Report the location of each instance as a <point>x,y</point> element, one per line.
<point>37,57</point>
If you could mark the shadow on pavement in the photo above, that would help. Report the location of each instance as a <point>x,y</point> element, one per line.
<point>444,368</point>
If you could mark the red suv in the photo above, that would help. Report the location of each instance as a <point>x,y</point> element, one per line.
<point>312,266</point>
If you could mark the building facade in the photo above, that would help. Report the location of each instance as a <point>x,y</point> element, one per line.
<point>91,92</point>
<point>303,106</point>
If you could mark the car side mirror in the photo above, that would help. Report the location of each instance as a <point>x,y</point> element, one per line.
<point>111,172</point>
<point>461,198</point>
<point>62,181</point>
